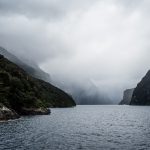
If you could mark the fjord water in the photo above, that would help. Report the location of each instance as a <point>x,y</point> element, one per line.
<point>82,127</point>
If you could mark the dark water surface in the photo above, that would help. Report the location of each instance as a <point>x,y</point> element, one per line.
<point>82,127</point>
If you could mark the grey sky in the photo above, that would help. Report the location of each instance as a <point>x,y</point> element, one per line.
<point>86,43</point>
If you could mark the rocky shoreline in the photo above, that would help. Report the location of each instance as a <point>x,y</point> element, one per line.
<point>35,111</point>
<point>9,114</point>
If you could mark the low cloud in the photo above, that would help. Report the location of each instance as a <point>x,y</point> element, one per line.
<point>90,45</point>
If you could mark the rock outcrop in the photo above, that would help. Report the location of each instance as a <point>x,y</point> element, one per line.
<point>127,97</point>
<point>7,114</point>
<point>141,94</point>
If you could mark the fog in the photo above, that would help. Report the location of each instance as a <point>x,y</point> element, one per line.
<point>92,49</point>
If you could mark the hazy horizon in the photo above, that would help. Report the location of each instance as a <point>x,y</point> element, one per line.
<point>98,47</point>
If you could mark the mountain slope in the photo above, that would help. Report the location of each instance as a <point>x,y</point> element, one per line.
<point>22,92</point>
<point>141,94</point>
<point>33,69</point>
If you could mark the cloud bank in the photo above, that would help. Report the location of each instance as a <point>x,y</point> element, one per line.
<point>98,46</point>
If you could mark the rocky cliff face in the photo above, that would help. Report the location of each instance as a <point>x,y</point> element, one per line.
<point>141,94</point>
<point>27,95</point>
<point>127,97</point>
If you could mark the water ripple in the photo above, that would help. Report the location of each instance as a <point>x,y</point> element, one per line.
<point>83,127</point>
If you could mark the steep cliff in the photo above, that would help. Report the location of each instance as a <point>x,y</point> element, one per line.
<point>141,94</point>
<point>127,95</point>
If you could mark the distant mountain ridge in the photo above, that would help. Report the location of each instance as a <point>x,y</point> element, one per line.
<point>90,95</point>
<point>33,70</point>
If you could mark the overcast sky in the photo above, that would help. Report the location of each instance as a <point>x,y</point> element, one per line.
<point>103,44</point>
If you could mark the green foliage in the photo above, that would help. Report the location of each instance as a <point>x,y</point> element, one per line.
<point>19,90</point>
<point>4,101</point>
<point>4,78</point>
<point>16,83</point>
<point>1,105</point>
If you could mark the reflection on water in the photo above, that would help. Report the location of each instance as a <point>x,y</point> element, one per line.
<point>82,127</point>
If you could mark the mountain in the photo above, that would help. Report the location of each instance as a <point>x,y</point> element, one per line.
<point>89,95</point>
<point>27,95</point>
<point>141,94</point>
<point>30,68</point>
<point>84,98</point>
<point>127,97</point>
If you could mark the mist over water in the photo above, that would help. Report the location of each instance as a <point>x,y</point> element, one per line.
<point>91,49</point>
<point>82,127</point>
<point>98,48</point>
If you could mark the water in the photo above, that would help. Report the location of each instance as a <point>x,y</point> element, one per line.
<point>82,127</point>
